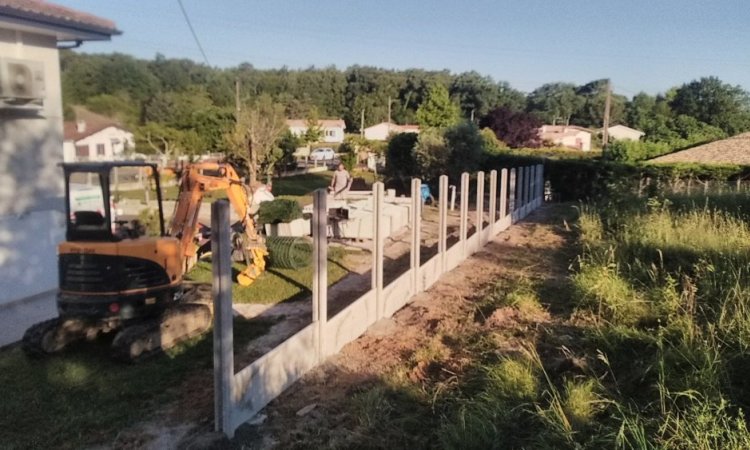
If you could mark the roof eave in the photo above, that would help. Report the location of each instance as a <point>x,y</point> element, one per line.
<point>63,30</point>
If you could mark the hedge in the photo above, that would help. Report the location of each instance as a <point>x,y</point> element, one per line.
<point>579,179</point>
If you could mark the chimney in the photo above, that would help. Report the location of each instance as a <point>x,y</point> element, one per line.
<point>81,126</point>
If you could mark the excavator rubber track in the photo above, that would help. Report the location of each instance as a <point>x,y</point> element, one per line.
<point>150,337</point>
<point>54,335</point>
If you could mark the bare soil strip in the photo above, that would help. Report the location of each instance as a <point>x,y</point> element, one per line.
<point>316,411</point>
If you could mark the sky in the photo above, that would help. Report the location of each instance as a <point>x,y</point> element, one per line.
<point>641,45</point>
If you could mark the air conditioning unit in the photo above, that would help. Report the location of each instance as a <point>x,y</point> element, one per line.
<point>21,84</point>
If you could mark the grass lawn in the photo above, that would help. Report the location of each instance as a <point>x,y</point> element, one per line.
<point>83,397</point>
<point>277,285</point>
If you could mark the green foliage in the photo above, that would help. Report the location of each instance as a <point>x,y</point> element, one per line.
<point>348,155</point>
<point>279,211</point>
<point>438,110</point>
<point>716,103</point>
<point>401,161</point>
<point>632,151</point>
<point>491,143</point>
<point>466,147</point>
<point>432,154</point>
<point>255,136</point>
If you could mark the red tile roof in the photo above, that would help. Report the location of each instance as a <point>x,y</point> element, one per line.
<point>42,11</point>
<point>94,123</point>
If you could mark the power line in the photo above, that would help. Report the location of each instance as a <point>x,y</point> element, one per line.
<point>192,31</point>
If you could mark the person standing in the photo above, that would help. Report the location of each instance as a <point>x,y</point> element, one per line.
<point>341,182</point>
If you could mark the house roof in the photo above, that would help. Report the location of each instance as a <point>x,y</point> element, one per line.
<point>733,150</point>
<point>94,124</point>
<point>558,131</point>
<point>395,126</point>
<point>324,123</point>
<point>67,22</point>
<point>626,128</point>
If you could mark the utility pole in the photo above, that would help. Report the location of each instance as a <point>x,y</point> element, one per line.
<point>362,123</point>
<point>472,115</point>
<point>605,130</point>
<point>389,114</point>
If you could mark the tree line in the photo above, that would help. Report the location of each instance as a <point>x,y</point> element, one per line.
<point>181,106</point>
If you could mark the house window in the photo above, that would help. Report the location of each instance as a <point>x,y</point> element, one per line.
<point>330,133</point>
<point>100,149</point>
<point>82,151</point>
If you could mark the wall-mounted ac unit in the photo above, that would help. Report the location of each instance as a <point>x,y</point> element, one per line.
<point>21,84</point>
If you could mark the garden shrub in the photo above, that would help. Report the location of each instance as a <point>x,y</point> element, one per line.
<point>280,210</point>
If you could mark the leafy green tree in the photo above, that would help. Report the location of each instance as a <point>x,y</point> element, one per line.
<point>591,112</point>
<point>714,102</point>
<point>432,155</point>
<point>555,103</point>
<point>466,148</point>
<point>438,111</point>
<point>254,137</point>
<point>314,132</point>
<point>401,161</point>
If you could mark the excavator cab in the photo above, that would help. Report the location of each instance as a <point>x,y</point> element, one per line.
<point>109,267</point>
<point>90,193</point>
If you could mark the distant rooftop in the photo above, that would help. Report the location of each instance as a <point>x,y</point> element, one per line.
<point>733,150</point>
<point>69,24</point>
<point>321,123</point>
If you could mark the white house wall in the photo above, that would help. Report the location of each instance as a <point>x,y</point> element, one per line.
<point>31,191</point>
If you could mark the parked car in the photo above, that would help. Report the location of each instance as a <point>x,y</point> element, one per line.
<point>322,154</point>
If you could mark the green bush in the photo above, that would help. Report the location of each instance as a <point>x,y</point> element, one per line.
<point>636,150</point>
<point>279,210</point>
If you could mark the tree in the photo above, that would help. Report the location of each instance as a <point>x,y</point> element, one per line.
<point>314,132</point>
<point>255,135</point>
<point>591,112</point>
<point>432,154</point>
<point>517,129</point>
<point>437,111</point>
<point>167,142</point>
<point>714,102</point>
<point>401,161</point>
<point>555,102</point>
<point>466,148</point>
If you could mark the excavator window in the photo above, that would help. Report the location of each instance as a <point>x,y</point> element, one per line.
<point>88,212</point>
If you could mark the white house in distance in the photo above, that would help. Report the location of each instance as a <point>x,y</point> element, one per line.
<point>32,218</point>
<point>567,136</point>
<point>623,133</point>
<point>381,131</point>
<point>333,129</point>
<point>93,137</point>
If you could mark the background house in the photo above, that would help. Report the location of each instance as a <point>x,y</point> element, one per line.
<point>623,133</point>
<point>32,220</point>
<point>333,129</point>
<point>381,131</point>
<point>566,136</point>
<point>93,137</point>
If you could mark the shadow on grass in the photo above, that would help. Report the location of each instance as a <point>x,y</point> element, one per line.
<point>83,397</point>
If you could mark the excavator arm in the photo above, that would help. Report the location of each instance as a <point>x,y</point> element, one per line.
<point>196,180</point>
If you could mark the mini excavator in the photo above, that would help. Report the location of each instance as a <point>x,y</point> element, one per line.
<point>115,278</point>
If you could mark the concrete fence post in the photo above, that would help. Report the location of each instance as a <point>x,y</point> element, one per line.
<point>530,190</point>
<point>480,208</point>
<point>503,193</point>
<point>416,233</point>
<point>443,220</point>
<point>223,330</point>
<point>519,192</point>
<point>525,191</point>
<point>493,202</point>
<point>540,185</point>
<point>463,229</point>
<point>453,197</point>
<point>378,243</point>
<point>320,269</point>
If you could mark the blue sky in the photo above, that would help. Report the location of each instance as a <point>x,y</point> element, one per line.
<point>648,45</point>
